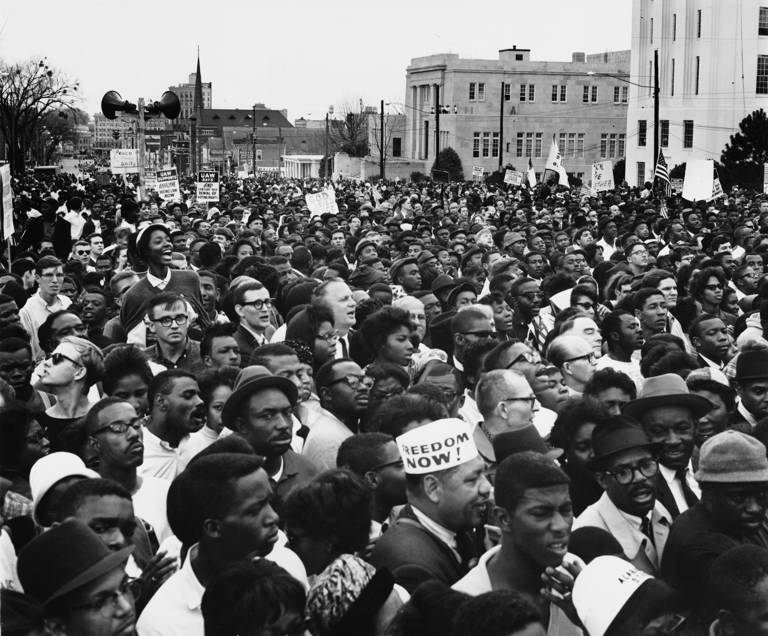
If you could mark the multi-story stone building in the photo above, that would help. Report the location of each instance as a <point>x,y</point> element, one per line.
<point>505,111</point>
<point>186,95</point>
<point>713,71</point>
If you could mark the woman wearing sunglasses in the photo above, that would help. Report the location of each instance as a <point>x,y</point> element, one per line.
<point>74,366</point>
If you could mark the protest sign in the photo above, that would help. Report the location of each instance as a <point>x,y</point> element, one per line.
<point>323,202</point>
<point>677,185</point>
<point>168,185</point>
<point>123,160</point>
<point>437,446</point>
<point>602,176</point>
<point>7,201</point>
<point>207,186</point>
<point>513,177</point>
<point>150,181</point>
<point>477,172</point>
<point>765,178</point>
<point>698,183</point>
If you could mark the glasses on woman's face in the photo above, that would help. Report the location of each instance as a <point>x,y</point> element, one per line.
<point>717,287</point>
<point>57,358</point>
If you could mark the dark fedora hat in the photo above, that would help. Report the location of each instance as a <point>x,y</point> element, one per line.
<point>441,282</point>
<point>249,380</point>
<point>517,440</point>
<point>617,434</point>
<point>65,558</point>
<point>463,286</point>
<point>752,365</point>
<point>668,389</point>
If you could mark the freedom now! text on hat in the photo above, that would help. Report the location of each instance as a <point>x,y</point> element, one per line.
<point>436,446</point>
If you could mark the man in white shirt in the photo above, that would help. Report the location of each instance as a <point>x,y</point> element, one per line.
<point>49,274</point>
<point>622,333</point>
<point>669,414</point>
<point>336,295</point>
<point>176,410</point>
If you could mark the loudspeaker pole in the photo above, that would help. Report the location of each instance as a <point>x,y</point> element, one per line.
<point>142,147</point>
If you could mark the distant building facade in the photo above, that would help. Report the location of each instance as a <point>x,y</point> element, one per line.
<point>583,103</point>
<point>713,71</point>
<point>186,95</point>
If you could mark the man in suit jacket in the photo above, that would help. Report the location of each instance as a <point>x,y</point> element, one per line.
<point>669,414</point>
<point>709,336</point>
<point>432,538</point>
<point>625,467</point>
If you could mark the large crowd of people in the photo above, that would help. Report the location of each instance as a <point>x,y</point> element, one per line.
<point>437,408</point>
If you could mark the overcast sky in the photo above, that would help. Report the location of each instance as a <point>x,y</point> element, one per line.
<point>301,55</point>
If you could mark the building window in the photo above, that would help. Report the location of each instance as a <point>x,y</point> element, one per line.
<point>571,144</point>
<point>471,91</point>
<point>612,145</point>
<point>580,145</point>
<point>554,92</point>
<point>476,144</point>
<point>561,144</point>
<point>531,92</point>
<point>397,147</point>
<point>672,83</point>
<point>688,133</point>
<point>562,93</point>
<point>495,145</point>
<point>674,27</point>
<point>519,149</point>
<point>622,144</point>
<point>762,24</point>
<point>642,132</point>
<point>507,92</point>
<point>624,94</point>
<point>528,144</point>
<point>518,57</point>
<point>481,92</point>
<point>696,84</point>
<point>537,145</point>
<point>486,144</point>
<point>640,172</point>
<point>616,94</point>
<point>558,93</point>
<point>604,145</point>
<point>698,23</point>
<point>651,30</point>
<point>664,133</point>
<point>585,96</point>
<point>762,75</point>
<point>594,94</point>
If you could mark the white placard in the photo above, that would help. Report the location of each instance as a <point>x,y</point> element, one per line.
<point>168,185</point>
<point>323,202</point>
<point>477,172</point>
<point>5,180</point>
<point>698,184</point>
<point>208,186</point>
<point>123,160</point>
<point>513,177</point>
<point>602,176</point>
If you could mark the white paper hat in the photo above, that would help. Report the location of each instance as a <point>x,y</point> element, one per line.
<point>602,588</point>
<point>436,446</point>
<point>49,470</point>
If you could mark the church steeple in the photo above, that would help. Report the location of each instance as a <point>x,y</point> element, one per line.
<point>197,103</point>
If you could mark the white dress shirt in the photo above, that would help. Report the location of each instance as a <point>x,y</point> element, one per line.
<point>676,488</point>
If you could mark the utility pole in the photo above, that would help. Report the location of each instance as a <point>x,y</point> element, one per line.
<point>437,121</point>
<point>381,143</point>
<point>655,107</point>
<point>140,142</point>
<point>253,140</point>
<point>325,168</point>
<point>501,127</point>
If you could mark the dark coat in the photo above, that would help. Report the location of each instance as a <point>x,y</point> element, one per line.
<point>414,555</point>
<point>297,471</point>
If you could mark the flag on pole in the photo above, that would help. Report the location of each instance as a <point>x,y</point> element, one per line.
<point>531,174</point>
<point>662,174</point>
<point>555,164</point>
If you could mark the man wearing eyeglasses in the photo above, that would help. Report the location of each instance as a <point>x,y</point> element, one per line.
<point>252,304</point>
<point>343,389</point>
<point>529,324</point>
<point>576,360</point>
<point>637,258</point>
<point>49,274</point>
<point>169,322</point>
<point>625,466</point>
<point>473,324</point>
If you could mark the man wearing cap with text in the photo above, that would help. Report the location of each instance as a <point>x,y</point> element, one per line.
<point>625,466</point>
<point>669,414</point>
<point>447,496</point>
<point>733,473</point>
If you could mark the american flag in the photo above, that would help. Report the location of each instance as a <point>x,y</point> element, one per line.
<point>662,173</point>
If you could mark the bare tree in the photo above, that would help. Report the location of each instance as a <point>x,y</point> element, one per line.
<point>59,126</point>
<point>350,133</point>
<point>393,123</point>
<point>28,92</point>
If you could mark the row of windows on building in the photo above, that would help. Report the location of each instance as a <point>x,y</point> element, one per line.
<point>698,24</point>
<point>642,133</point>
<point>531,144</point>
<point>559,93</point>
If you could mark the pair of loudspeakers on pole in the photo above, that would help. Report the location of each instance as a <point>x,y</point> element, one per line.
<point>169,105</point>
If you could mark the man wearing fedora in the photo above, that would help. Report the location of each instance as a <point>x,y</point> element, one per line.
<point>260,410</point>
<point>669,414</point>
<point>751,381</point>
<point>85,591</point>
<point>733,474</point>
<point>625,466</point>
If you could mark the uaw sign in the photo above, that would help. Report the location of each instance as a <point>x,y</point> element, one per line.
<point>437,446</point>
<point>168,185</point>
<point>208,186</point>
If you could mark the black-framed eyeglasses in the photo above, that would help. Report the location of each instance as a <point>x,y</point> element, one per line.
<point>590,357</point>
<point>531,399</point>
<point>385,396</point>
<point>397,463</point>
<point>82,252</point>
<point>355,381</point>
<point>120,428</point>
<point>106,603</point>
<point>57,358</point>
<point>625,474</point>
<point>258,305</point>
<point>167,321</point>
<point>481,334</point>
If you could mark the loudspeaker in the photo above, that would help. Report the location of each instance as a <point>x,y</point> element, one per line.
<point>169,105</point>
<point>112,102</point>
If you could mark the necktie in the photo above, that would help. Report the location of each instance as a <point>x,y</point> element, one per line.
<point>690,497</point>
<point>344,350</point>
<point>466,549</point>
<point>646,527</point>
